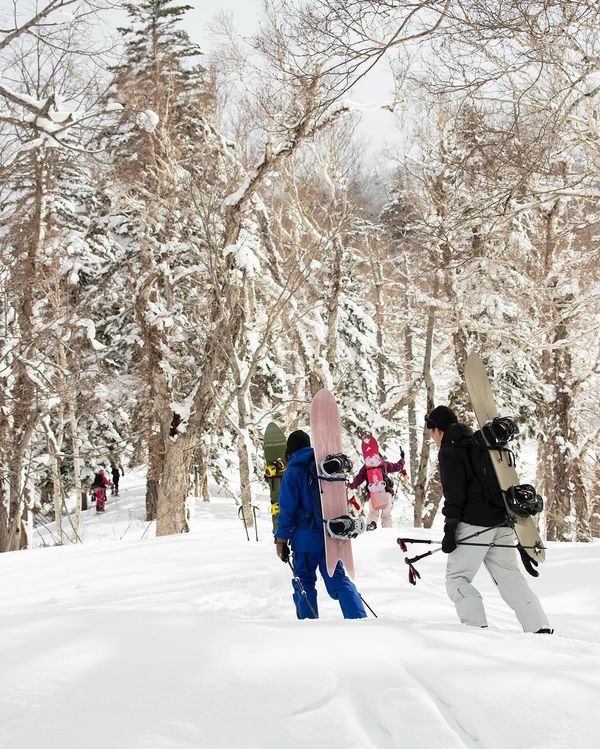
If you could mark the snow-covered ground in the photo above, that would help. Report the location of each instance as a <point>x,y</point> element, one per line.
<point>127,642</point>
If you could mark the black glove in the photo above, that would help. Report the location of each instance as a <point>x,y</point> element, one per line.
<point>528,562</point>
<point>449,540</point>
<point>283,549</point>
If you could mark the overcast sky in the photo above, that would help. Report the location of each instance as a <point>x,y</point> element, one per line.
<point>378,127</point>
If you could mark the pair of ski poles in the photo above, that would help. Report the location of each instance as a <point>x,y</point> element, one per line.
<point>413,573</point>
<point>304,594</point>
<point>243,517</point>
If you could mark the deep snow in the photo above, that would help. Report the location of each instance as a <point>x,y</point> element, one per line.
<point>192,641</point>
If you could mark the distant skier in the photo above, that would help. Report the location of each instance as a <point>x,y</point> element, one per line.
<point>116,470</point>
<point>300,523</point>
<point>467,510</point>
<point>376,461</point>
<point>99,484</point>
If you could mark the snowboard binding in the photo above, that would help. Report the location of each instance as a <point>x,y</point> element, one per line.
<point>275,469</point>
<point>499,431</point>
<point>335,466</point>
<point>523,500</point>
<point>345,527</point>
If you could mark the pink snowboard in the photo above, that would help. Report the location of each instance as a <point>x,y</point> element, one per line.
<point>327,439</point>
<point>378,496</point>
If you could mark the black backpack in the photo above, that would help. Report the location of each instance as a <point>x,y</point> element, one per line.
<point>480,462</point>
<point>522,499</point>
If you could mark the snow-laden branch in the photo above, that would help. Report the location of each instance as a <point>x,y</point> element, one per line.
<point>365,106</point>
<point>42,14</point>
<point>49,120</point>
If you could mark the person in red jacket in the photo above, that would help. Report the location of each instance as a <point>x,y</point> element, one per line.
<point>386,513</point>
<point>99,484</point>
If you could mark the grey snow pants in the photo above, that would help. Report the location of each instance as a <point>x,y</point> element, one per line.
<point>501,563</point>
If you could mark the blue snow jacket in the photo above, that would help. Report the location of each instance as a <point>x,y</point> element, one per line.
<point>300,516</point>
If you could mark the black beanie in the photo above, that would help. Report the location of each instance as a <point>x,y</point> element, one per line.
<point>440,418</point>
<point>297,440</point>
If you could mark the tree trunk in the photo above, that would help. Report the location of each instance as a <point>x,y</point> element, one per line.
<point>155,467</point>
<point>409,368</point>
<point>25,412</point>
<point>201,473</point>
<point>243,444</point>
<point>421,478</point>
<point>76,465</point>
<point>333,302</point>
<point>567,512</point>
<point>173,488</point>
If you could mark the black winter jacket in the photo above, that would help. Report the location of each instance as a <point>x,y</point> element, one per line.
<point>464,497</point>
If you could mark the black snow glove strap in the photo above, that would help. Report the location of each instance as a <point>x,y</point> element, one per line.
<point>449,540</point>
<point>528,562</point>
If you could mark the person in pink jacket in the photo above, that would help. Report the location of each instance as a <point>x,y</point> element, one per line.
<point>386,513</point>
<point>101,481</point>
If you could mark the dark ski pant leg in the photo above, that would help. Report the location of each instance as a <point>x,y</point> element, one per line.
<point>100,495</point>
<point>461,568</point>
<point>305,566</point>
<point>342,589</point>
<point>502,564</point>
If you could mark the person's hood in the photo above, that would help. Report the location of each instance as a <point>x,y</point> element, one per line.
<point>302,457</point>
<point>456,433</point>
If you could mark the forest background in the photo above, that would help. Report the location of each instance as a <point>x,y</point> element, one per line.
<point>193,244</point>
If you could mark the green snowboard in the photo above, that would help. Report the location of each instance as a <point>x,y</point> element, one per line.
<point>274,447</point>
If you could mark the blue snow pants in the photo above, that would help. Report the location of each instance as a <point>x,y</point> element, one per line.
<point>339,586</point>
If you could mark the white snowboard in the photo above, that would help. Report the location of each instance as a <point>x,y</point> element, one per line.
<point>482,400</point>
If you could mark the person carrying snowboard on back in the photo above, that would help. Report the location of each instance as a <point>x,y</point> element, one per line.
<point>467,509</point>
<point>99,484</point>
<point>362,477</point>
<point>300,525</point>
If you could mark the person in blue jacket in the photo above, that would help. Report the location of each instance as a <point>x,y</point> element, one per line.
<point>300,525</point>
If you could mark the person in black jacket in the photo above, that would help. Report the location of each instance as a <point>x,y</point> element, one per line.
<point>466,510</point>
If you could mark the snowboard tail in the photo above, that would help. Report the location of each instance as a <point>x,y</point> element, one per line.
<point>484,405</point>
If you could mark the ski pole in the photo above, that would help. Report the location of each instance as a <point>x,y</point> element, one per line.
<point>422,556</point>
<point>403,541</point>
<point>302,591</point>
<point>243,517</point>
<point>492,545</point>
<point>413,574</point>
<point>464,543</point>
<point>418,541</point>
<point>367,605</point>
